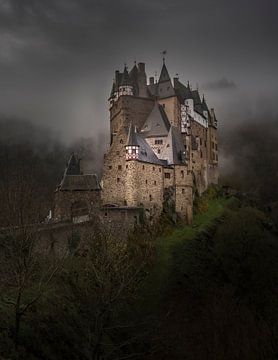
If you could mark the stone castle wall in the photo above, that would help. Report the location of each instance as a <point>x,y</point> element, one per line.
<point>65,202</point>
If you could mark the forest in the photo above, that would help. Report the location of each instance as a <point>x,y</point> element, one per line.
<point>173,291</point>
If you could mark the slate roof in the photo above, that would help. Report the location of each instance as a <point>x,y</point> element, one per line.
<point>177,146</point>
<point>146,153</point>
<point>126,81</point>
<point>183,91</point>
<point>132,136</point>
<point>79,182</point>
<point>157,123</point>
<point>73,179</point>
<point>164,75</point>
<point>73,166</point>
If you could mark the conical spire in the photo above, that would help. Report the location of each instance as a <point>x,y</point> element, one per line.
<point>113,90</point>
<point>73,167</point>
<point>132,138</point>
<point>164,75</point>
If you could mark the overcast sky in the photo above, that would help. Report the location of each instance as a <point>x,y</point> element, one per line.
<point>57,57</point>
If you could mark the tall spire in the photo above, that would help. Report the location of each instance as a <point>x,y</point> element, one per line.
<point>164,75</point>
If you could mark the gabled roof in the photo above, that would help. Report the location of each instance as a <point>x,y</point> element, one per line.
<point>79,183</point>
<point>146,153</point>
<point>157,123</point>
<point>74,180</point>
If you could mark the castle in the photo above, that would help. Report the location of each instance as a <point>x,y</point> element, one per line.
<point>163,149</point>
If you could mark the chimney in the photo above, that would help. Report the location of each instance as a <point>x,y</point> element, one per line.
<point>141,67</point>
<point>151,80</point>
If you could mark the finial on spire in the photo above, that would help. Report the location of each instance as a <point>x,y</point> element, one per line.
<point>163,53</point>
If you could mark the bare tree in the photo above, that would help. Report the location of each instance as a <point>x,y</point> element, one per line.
<point>105,278</point>
<point>25,273</point>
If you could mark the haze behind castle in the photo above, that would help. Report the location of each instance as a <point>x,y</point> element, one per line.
<point>56,58</point>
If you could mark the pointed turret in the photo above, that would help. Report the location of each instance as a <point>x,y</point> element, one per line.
<point>132,146</point>
<point>164,75</point>
<point>73,167</point>
<point>164,86</point>
<point>126,86</point>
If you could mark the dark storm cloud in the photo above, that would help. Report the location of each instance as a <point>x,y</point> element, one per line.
<point>57,58</point>
<point>221,84</point>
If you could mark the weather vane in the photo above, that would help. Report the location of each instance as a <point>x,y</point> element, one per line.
<point>163,53</point>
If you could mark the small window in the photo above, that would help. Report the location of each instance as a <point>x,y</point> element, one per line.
<point>201,154</point>
<point>200,141</point>
<point>110,167</point>
<point>182,191</point>
<point>158,151</point>
<point>160,170</point>
<point>118,180</point>
<point>215,146</point>
<point>119,167</point>
<point>150,197</point>
<point>126,166</point>
<point>118,153</point>
<point>154,182</point>
<point>182,173</point>
<point>121,141</point>
<point>146,181</point>
<point>158,142</point>
<point>143,167</point>
<point>153,168</point>
<point>167,175</point>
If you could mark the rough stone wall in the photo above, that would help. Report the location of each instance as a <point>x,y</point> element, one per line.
<point>213,172</point>
<point>115,171</point>
<point>129,109</point>
<point>172,108</point>
<point>184,193</point>
<point>64,200</point>
<point>170,179</point>
<point>200,156</point>
<point>144,186</point>
<point>117,222</point>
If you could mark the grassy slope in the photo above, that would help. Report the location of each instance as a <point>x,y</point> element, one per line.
<point>157,280</point>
